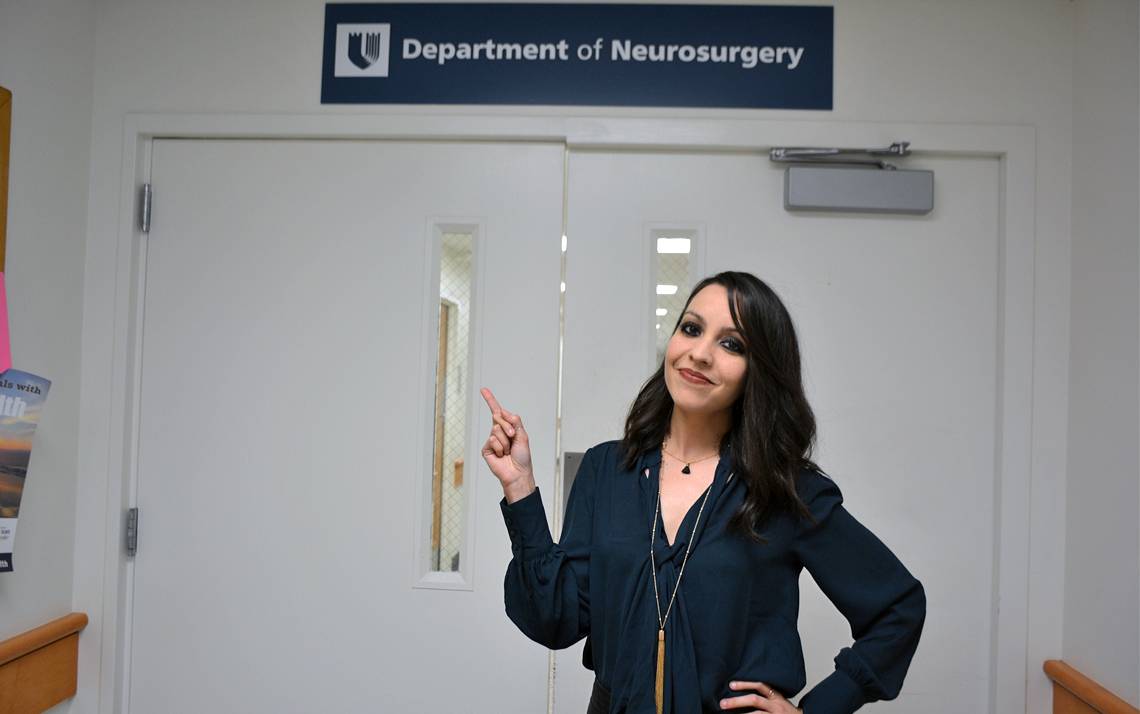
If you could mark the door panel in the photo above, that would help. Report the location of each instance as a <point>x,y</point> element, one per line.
<point>287,403</point>
<point>897,322</point>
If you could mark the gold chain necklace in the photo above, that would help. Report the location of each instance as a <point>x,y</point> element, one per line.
<point>687,464</point>
<point>659,685</point>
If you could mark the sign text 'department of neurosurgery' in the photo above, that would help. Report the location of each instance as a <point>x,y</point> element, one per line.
<point>758,56</point>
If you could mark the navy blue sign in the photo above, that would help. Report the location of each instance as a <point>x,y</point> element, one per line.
<point>757,56</point>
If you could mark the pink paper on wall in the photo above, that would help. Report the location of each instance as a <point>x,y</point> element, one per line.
<point>5,346</point>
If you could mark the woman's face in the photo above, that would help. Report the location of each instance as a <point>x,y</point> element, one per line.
<point>707,343</point>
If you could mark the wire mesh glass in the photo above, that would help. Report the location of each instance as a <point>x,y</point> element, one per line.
<point>448,491</point>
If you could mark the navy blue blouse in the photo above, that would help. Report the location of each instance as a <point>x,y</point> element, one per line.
<point>735,615</point>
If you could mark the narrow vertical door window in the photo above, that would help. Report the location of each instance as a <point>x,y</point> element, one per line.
<point>450,424</point>
<point>673,250</point>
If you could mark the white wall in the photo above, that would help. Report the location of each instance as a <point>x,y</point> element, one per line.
<point>46,52</point>
<point>1006,62</point>
<point>1009,62</point>
<point>1102,563</point>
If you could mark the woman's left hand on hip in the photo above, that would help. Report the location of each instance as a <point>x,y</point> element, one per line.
<point>766,700</point>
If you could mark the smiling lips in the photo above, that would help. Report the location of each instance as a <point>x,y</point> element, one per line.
<point>694,377</point>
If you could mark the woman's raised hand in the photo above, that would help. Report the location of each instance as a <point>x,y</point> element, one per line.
<point>507,450</point>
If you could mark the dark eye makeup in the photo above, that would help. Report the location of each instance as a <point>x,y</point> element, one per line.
<point>731,343</point>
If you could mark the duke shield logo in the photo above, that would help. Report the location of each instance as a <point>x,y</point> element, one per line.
<point>362,49</point>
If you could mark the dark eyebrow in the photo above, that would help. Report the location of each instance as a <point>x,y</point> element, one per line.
<point>702,321</point>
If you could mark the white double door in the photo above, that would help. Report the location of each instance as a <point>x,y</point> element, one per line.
<point>288,358</point>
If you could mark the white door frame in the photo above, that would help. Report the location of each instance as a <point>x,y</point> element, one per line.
<point>1021,592</point>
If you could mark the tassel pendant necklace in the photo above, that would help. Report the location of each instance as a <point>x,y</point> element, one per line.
<point>659,682</point>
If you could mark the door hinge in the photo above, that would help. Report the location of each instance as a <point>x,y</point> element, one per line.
<point>145,200</point>
<point>132,531</point>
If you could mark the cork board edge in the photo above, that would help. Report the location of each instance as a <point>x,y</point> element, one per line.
<point>5,144</point>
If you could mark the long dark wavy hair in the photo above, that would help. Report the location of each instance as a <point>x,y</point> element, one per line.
<point>773,428</point>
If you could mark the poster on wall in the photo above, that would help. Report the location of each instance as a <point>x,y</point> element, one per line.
<point>22,397</point>
<point>746,56</point>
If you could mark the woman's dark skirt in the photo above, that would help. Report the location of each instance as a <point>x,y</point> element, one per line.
<point>599,699</point>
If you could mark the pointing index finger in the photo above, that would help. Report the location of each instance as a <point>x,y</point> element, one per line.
<point>498,411</point>
<point>491,401</point>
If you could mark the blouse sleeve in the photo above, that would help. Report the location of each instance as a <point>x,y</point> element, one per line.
<point>546,589</point>
<point>884,604</point>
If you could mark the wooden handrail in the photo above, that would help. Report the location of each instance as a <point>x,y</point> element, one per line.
<point>1087,690</point>
<point>41,636</point>
<point>40,668</point>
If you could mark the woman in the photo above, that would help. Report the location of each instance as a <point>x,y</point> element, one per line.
<point>683,542</point>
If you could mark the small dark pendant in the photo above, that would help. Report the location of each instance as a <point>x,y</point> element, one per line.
<point>686,469</point>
